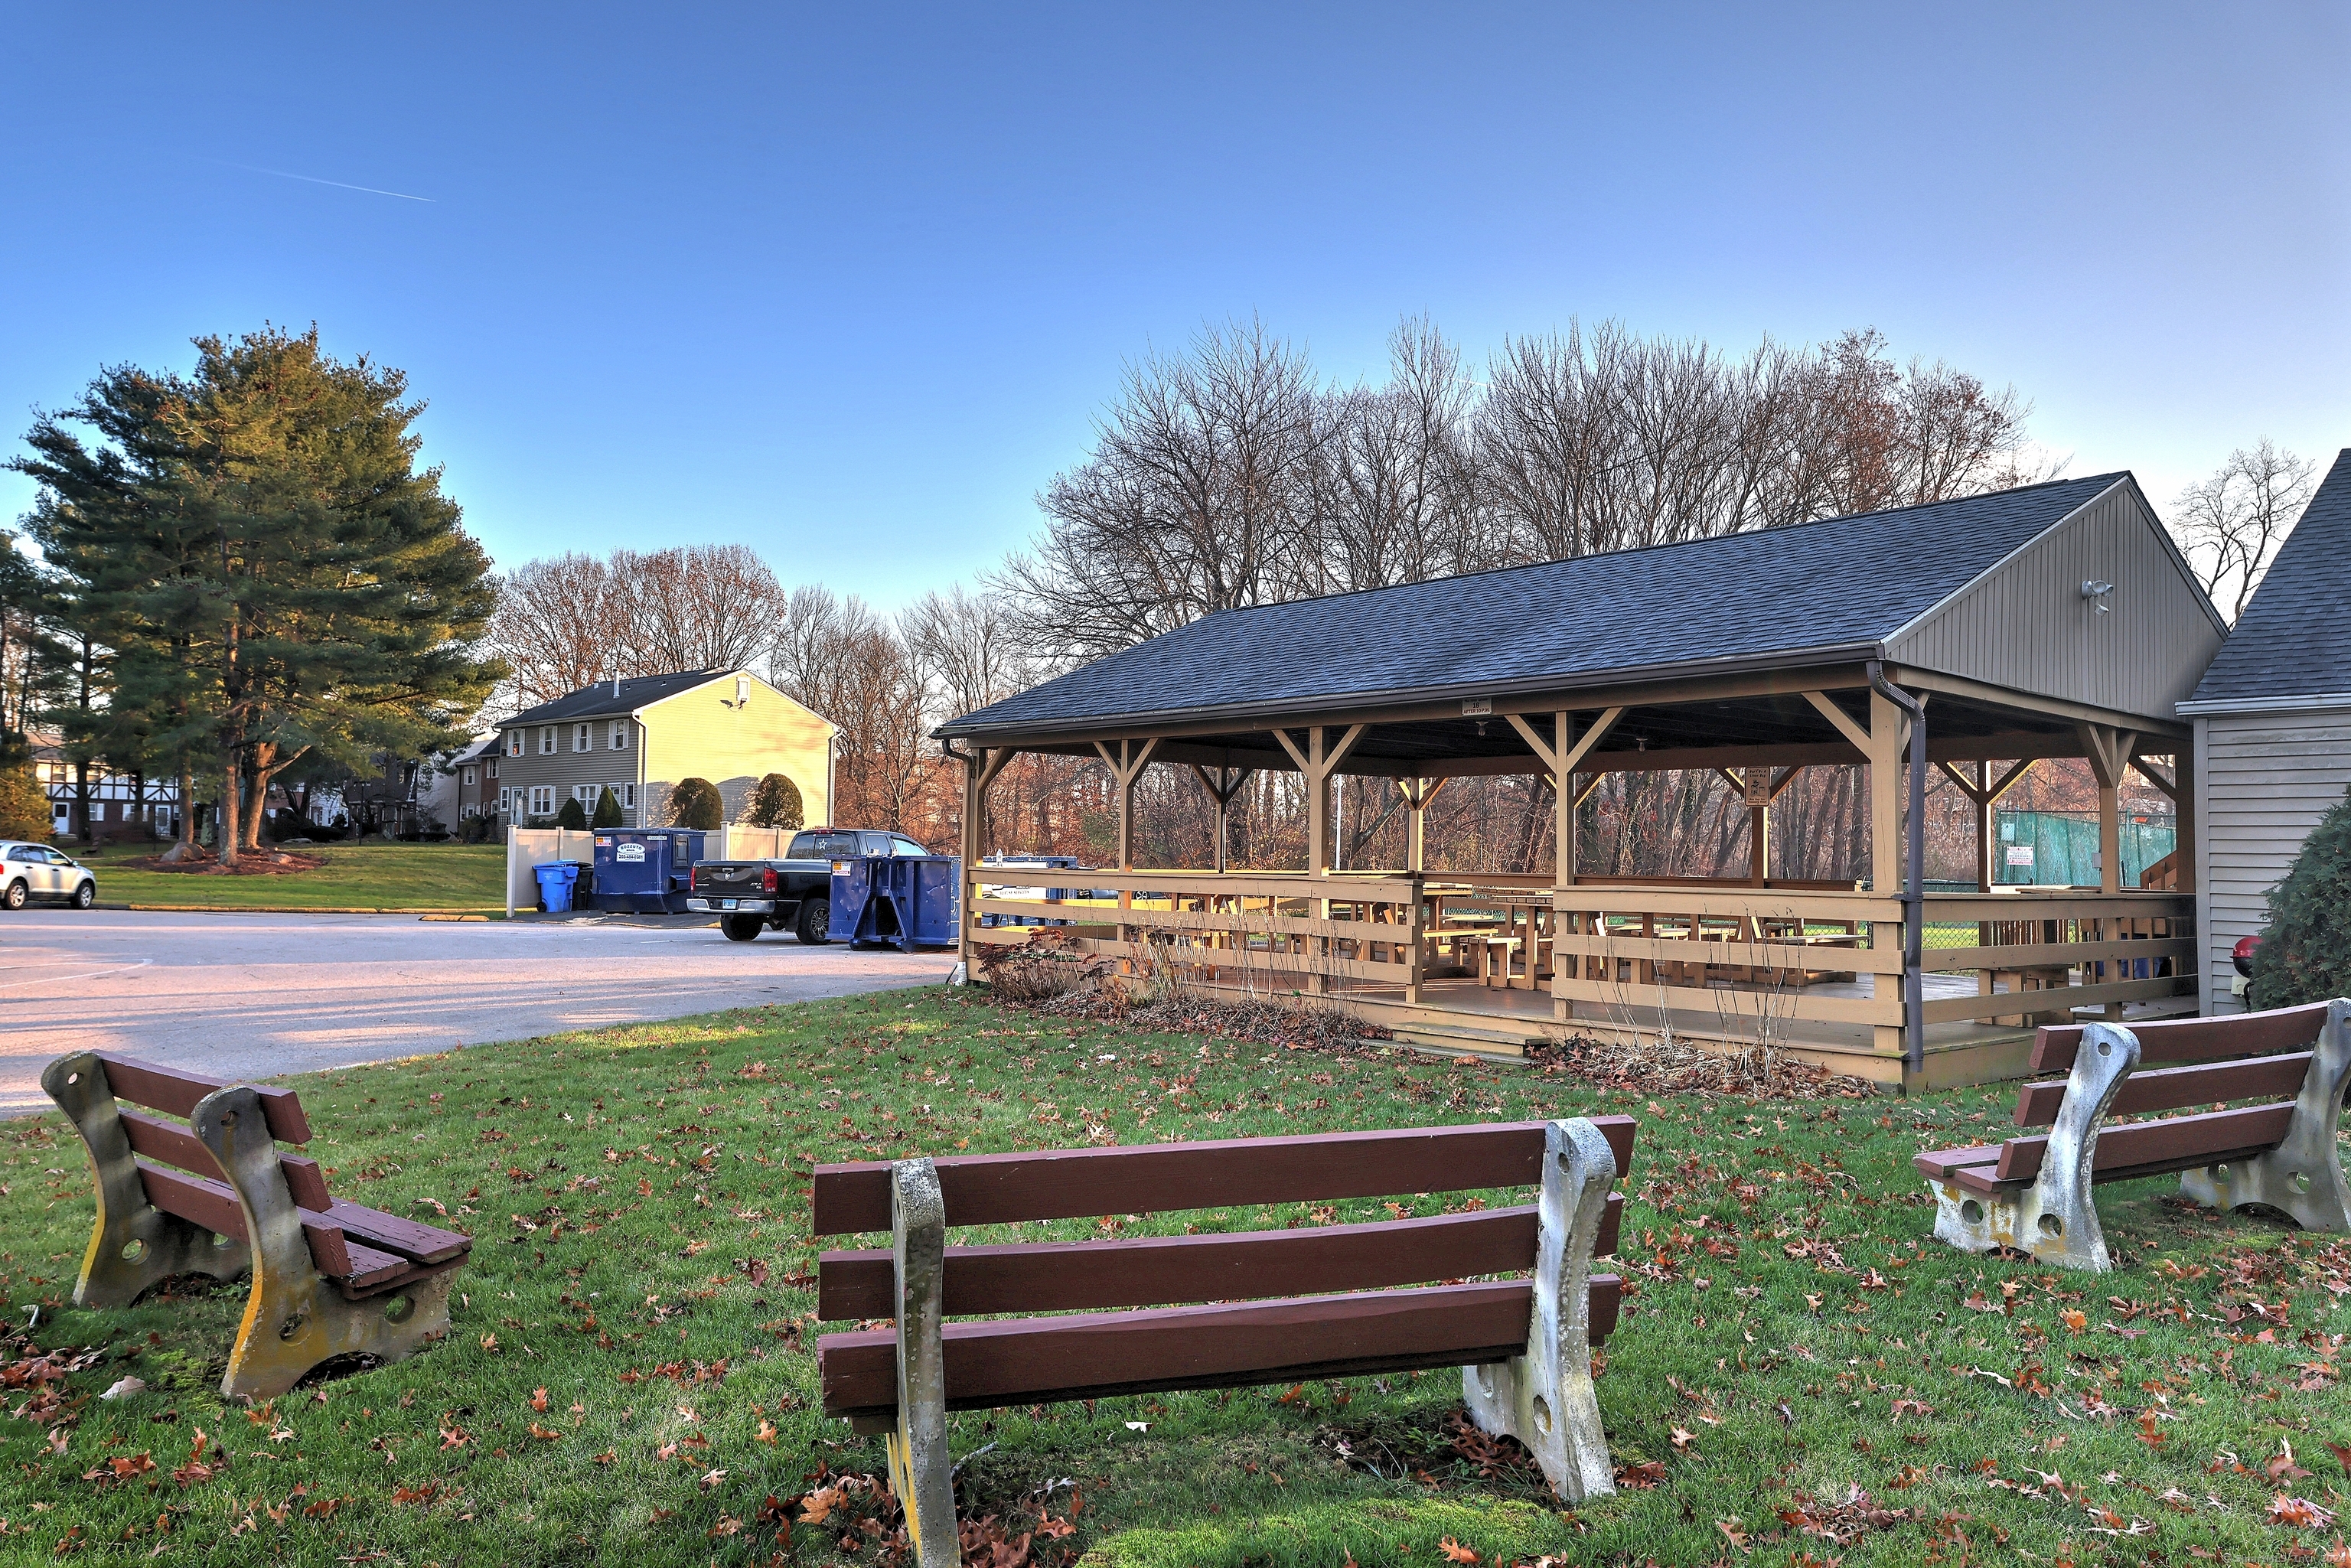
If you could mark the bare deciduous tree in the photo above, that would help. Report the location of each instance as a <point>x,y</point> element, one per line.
<point>2229,527</point>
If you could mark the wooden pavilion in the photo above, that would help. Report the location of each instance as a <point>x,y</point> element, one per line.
<point>2057,620</point>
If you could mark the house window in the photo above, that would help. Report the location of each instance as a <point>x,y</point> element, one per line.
<point>504,805</point>
<point>491,771</point>
<point>514,743</point>
<point>546,740</point>
<point>619,737</point>
<point>586,795</point>
<point>469,778</point>
<point>583,736</point>
<point>542,799</point>
<point>626,794</point>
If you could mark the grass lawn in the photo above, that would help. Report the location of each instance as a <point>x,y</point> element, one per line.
<point>370,875</point>
<point>1803,1375</point>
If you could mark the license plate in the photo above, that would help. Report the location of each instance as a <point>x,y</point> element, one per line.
<point>725,904</point>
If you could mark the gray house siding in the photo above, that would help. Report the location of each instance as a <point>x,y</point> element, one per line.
<point>2262,781</point>
<point>566,769</point>
<point>2025,625</point>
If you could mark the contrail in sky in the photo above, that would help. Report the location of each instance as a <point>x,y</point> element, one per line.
<point>314,180</point>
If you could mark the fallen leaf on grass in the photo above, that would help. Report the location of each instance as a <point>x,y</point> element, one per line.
<point>2299,1511</point>
<point>1455,1551</point>
<point>539,1399</point>
<point>125,1388</point>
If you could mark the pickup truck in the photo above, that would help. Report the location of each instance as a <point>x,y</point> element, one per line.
<point>794,894</point>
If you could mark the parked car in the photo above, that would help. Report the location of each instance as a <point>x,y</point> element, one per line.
<point>794,894</point>
<point>36,873</point>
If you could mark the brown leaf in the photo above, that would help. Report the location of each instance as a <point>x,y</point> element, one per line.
<point>1457,1552</point>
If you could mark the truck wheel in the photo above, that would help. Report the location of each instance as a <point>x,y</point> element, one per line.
<point>741,927</point>
<point>815,927</point>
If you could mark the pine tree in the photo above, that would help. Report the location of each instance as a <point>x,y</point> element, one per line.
<point>571,814</point>
<point>2305,950</point>
<point>271,576</point>
<point>608,810</point>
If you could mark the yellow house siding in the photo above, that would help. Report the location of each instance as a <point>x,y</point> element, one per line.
<point>701,733</point>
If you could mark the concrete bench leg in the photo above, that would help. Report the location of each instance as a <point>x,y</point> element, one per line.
<point>132,1247</point>
<point>296,1318</point>
<point>920,1472</point>
<point>2055,1218</point>
<point>2303,1176</point>
<point>1545,1398</point>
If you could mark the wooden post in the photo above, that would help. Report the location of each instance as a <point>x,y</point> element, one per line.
<point>979,771</point>
<point>1221,789</point>
<point>1417,793</point>
<point>1885,752</point>
<point>1558,760</point>
<point>1125,769</point>
<point>1562,798</point>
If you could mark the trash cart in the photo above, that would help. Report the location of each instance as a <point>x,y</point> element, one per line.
<point>898,901</point>
<point>555,882</point>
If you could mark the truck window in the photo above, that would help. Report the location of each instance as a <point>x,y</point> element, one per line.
<point>899,846</point>
<point>821,846</point>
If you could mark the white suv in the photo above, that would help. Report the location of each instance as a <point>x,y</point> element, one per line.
<point>36,872</point>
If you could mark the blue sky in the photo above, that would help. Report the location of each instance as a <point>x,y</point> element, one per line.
<point>851,284</point>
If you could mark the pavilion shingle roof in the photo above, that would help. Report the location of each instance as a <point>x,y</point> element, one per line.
<point>2289,642</point>
<point>1839,584</point>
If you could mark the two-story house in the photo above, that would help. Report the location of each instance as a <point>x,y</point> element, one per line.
<point>638,738</point>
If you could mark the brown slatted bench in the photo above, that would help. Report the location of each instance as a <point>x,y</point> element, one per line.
<point>2033,1193</point>
<point>329,1277</point>
<point>1339,1304</point>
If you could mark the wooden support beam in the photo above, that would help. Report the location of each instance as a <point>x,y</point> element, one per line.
<point>1221,789</point>
<point>1845,726</point>
<point>2109,750</point>
<point>1417,793</point>
<point>1125,767</point>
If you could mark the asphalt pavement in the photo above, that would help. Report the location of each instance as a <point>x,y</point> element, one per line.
<point>255,995</point>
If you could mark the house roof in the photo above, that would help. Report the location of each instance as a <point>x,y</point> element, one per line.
<point>599,701</point>
<point>2290,643</point>
<point>1815,591</point>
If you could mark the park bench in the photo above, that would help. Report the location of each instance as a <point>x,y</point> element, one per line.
<point>212,1194</point>
<point>2033,1193</point>
<point>1285,1305</point>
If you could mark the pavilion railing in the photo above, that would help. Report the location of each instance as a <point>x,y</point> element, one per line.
<point>1275,931</point>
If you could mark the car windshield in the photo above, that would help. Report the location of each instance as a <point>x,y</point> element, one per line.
<point>822,846</point>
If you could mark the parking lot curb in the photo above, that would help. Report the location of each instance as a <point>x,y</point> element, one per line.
<point>297,909</point>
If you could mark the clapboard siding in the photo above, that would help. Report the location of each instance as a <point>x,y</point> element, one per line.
<point>2263,782</point>
<point>701,733</point>
<point>2025,625</point>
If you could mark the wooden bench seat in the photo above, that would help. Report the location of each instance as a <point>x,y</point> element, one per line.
<point>1155,1313</point>
<point>2033,1193</point>
<point>335,1278</point>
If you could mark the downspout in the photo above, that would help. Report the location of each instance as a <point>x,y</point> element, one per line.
<point>1914,882</point>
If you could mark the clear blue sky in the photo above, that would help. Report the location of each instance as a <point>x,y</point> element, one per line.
<point>851,284</point>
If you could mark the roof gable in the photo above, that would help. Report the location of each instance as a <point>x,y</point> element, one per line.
<point>600,701</point>
<point>2290,641</point>
<point>1835,586</point>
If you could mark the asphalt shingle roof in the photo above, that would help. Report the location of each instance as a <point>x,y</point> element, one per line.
<point>2290,641</point>
<point>1837,583</point>
<point>597,701</point>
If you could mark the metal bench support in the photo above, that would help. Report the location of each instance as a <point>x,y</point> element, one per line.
<point>2055,1218</point>
<point>2303,1176</point>
<point>1544,1399</point>
<point>920,1472</point>
<point>133,1246</point>
<point>295,1318</point>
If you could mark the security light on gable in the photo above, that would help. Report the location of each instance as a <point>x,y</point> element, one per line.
<point>2096,592</point>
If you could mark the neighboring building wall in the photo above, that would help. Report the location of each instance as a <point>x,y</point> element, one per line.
<point>2025,624</point>
<point>699,734</point>
<point>2263,781</point>
<point>568,769</point>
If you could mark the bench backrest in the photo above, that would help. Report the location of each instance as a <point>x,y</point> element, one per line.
<point>158,1141</point>
<point>2261,1056</point>
<point>1143,1272</point>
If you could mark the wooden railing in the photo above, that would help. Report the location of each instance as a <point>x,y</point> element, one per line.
<point>1283,931</point>
<point>2124,946</point>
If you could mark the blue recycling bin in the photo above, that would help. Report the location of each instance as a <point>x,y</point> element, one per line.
<point>898,901</point>
<point>644,871</point>
<point>555,880</point>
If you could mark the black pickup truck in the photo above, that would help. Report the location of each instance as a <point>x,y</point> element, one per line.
<point>794,894</point>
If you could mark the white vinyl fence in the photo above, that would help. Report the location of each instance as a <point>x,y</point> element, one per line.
<point>528,847</point>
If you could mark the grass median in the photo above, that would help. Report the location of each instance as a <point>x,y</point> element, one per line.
<point>362,875</point>
<point>1802,1374</point>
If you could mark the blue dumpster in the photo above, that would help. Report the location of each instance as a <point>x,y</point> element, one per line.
<point>898,900</point>
<point>643,869</point>
<point>555,880</point>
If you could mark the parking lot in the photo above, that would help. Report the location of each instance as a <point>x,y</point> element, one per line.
<point>253,996</point>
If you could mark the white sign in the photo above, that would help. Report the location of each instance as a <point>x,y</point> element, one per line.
<point>1477,707</point>
<point>637,852</point>
<point>2019,854</point>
